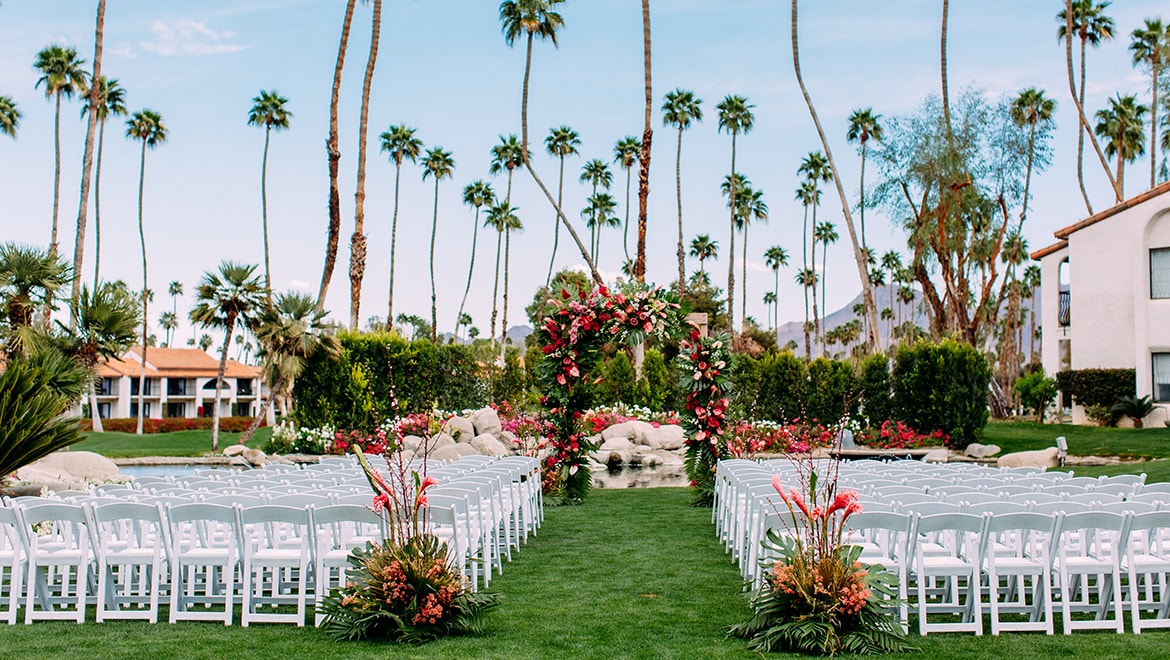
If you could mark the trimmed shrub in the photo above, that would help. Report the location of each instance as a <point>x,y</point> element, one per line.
<point>779,387</point>
<point>617,385</point>
<point>830,391</point>
<point>658,387</point>
<point>1098,387</point>
<point>942,387</point>
<point>876,395</point>
<point>169,424</point>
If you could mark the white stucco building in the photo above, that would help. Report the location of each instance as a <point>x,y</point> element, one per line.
<point>1106,296</point>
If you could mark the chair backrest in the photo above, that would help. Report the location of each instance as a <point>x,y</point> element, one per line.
<point>1036,522</point>
<point>266,513</point>
<point>939,522</point>
<point>194,511</point>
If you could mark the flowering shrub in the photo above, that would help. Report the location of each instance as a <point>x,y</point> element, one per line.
<point>287,438</point>
<point>419,424</point>
<point>598,419</point>
<point>818,597</point>
<point>377,442</point>
<point>704,363</point>
<point>746,439</point>
<point>896,435</point>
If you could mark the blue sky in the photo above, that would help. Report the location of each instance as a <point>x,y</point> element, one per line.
<point>443,67</point>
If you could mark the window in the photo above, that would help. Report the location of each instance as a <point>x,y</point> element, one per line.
<point>147,387</point>
<point>1160,273</point>
<point>244,386</point>
<point>145,409</point>
<point>176,387</point>
<point>176,410</point>
<point>1162,377</point>
<point>106,387</point>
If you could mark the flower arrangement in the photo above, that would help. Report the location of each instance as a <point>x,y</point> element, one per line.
<point>705,363</point>
<point>817,596</point>
<point>896,435</point>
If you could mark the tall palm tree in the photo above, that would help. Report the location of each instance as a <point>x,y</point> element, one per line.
<point>644,170</point>
<point>92,92</point>
<point>61,76</point>
<point>809,196</point>
<point>815,168</point>
<point>625,154</point>
<point>289,332</point>
<point>334,153</point>
<point>774,258</point>
<point>357,240</point>
<point>770,308</point>
<point>735,117</point>
<point>437,164</point>
<point>29,281</point>
<point>807,278</point>
<point>531,19</point>
<point>502,217</point>
<point>9,116</point>
<point>826,233</point>
<point>224,298</point>
<point>1030,109</point>
<point>1121,126</point>
<point>400,142</point>
<point>268,110</point>
<point>105,320</point>
<point>863,127</point>
<point>1087,20</point>
<point>464,321</point>
<point>946,102</point>
<point>147,127</point>
<point>168,322</point>
<point>1150,46</point>
<point>561,142</point>
<point>752,208</point>
<point>599,214</point>
<point>507,156</point>
<point>703,248</point>
<point>476,194</point>
<point>174,290</point>
<point>680,109</point>
<point>595,173</point>
<point>892,263</point>
<point>111,101</point>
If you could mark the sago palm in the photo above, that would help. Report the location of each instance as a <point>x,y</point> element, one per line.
<point>400,142</point>
<point>735,117</point>
<point>61,75</point>
<point>680,109</point>
<point>268,110</point>
<point>476,194</point>
<point>105,320</point>
<point>561,142</point>
<point>111,103</point>
<point>438,165</point>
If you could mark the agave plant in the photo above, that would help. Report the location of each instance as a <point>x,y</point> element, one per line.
<point>1136,408</point>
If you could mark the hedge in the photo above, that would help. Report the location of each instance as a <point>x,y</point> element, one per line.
<point>170,424</point>
<point>942,387</point>
<point>1098,387</point>
<point>779,387</point>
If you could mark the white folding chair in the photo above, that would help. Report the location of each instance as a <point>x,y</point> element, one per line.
<point>338,529</point>
<point>205,555</point>
<point>129,540</point>
<point>1088,564</point>
<point>1016,556</point>
<point>1147,563</point>
<point>58,561</point>
<point>885,539</point>
<point>276,549</point>
<point>957,568</point>
<point>12,563</point>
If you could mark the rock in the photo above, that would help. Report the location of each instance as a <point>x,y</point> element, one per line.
<point>941,455</point>
<point>411,442</point>
<point>255,457</point>
<point>1043,458</point>
<point>616,444</point>
<point>639,455</point>
<point>1092,460</point>
<point>446,454</point>
<point>234,450</point>
<point>845,439</point>
<point>486,420</point>
<point>667,436</point>
<point>612,457</point>
<point>509,439</point>
<point>651,460</point>
<point>488,445</point>
<point>459,428</point>
<point>65,470</point>
<point>465,449</point>
<point>620,430</point>
<point>441,440</point>
<point>976,450</point>
<point>667,458</point>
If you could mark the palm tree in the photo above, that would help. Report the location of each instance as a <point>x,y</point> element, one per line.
<point>892,263</point>
<point>268,110</point>
<point>595,173</point>
<point>680,109</point>
<point>146,126</point>
<point>205,342</point>
<point>644,171</point>
<point>809,196</point>
<point>703,248</point>
<point>105,320</point>
<point>168,322</point>
<point>1029,109</point>
<point>334,154</point>
<point>752,208</point>
<point>562,141</point>
<point>625,154</point>
<point>464,321</point>
<point>437,164</point>
<point>111,101</point>
<point>29,281</point>
<point>400,142</point>
<point>807,278</point>
<point>1150,45</point>
<point>1087,20</point>
<point>357,240</point>
<point>224,298</point>
<point>774,258</point>
<point>1121,126</point>
<point>735,117</point>
<point>598,214</point>
<point>815,168</point>
<point>9,116</point>
<point>826,233</point>
<point>770,307</point>
<point>476,194</point>
<point>289,332</point>
<point>175,289</point>
<point>507,156</point>
<point>863,127</point>
<point>502,217</point>
<point>92,92</point>
<point>61,75</point>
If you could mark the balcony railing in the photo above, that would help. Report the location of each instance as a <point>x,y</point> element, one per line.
<point>1063,314</point>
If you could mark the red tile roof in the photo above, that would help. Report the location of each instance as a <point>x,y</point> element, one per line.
<point>173,363</point>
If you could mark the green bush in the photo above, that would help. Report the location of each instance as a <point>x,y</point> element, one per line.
<point>876,395</point>
<point>779,387</point>
<point>617,385</point>
<point>658,387</point>
<point>830,391</point>
<point>1036,391</point>
<point>1098,387</point>
<point>942,387</point>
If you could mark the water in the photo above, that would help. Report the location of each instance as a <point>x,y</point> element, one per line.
<point>168,470</point>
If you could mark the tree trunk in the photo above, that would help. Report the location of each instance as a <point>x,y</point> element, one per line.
<point>1081,128</point>
<point>1154,117</point>
<point>824,288</point>
<point>259,419</point>
<point>557,224</point>
<point>87,157</point>
<point>357,242</point>
<point>496,286</point>
<point>470,271</point>
<point>1081,106</point>
<point>731,245</point>
<point>1028,173</point>
<point>264,211</point>
<point>743,282</point>
<point>56,184</point>
<point>776,306</point>
<point>804,258</point>
<point>813,264</point>
<point>223,356</point>
<point>859,257</point>
<point>334,152</point>
<point>644,167</point>
<point>504,321</point>
<point>434,299</point>
<point>861,208</point>
<point>145,314</point>
<point>97,208</point>
<point>682,255</point>
<point>394,240</point>
<point>95,417</point>
<point>626,223</point>
<point>946,99</point>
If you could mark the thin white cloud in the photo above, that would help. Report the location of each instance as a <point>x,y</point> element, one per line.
<point>123,50</point>
<point>184,37</point>
<point>300,285</point>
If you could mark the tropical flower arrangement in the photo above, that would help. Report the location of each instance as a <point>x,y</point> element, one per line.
<point>705,365</point>
<point>896,435</point>
<point>404,589</point>
<point>576,327</point>
<point>817,596</point>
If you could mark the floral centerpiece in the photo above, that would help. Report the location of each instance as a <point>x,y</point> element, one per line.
<point>705,365</point>
<point>817,596</point>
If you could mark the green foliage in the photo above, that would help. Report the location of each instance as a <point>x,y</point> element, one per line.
<point>571,280</point>
<point>1036,391</point>
<point>512,382</point>
<point>779,387</point>
<point>34,394</point>
<point>942,387</point>
<point>1135,408</point>
<point>876,393</point>
<point>658,387</point>
<point>617,385</point>
<point>1098,387</point>
<point>831,391</point>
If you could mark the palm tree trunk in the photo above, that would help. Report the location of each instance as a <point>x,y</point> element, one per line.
<point>860,258</point>
<point>1028,172</point>
<point>824,286</point>
<point>532,172</point>
<point>470,271</point>
<point>1154,117</point>
<point>394,240</point>
<point>504,321</point>
<point>1120,177</point>
<point>56,183</point>
<point>682,255</point>
<point>1081,106</point>
<point>644,170</point>
<point>813,263</point>
<point>861,209</point>
<point>223,356</point>
<point>804,257</point>
<point>776,306</point>
<point>145,314</point>
<point>334,152</point>
<point>87,157</point>
<point>434,299</point>
<point>731,245</point>
<point>946,99</point>
<point>1081,129</point>
<point>626,223</point>
<point>95,418</point>
<point>556,223</point>
<point>264,210</point>
<point>357,242</point>
<point>743,282</point>
<point>259,419</point>
<point>97,208</point>
<point>496,285</point>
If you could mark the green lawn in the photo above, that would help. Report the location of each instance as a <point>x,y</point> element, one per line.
<point>631,574</point>
<point>178,443</point>
<point>1082,440</point>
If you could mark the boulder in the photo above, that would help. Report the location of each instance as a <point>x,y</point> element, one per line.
<point>441,440</point>
<point>255,457</point>
<point>620,430</point>
<point>976,450</point>
<point>234,450</point>
<point>667,436</point>
<point>612,457</point>
<point>509,439</point>
<point>651,460</point>
<point>411,442</point>
<point>459,428</point>
<point>1042,458</point>
<point>639,455</point>
<point>616,444</point>
<point>465,449</point>
<point>446,454</point>
<point>667,458</point>
<point>940,455</point>
<point>487,445</point>
<point>65,470</point>
<point>486,420</point>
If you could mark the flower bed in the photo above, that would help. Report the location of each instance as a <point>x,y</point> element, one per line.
<point>169,424</point>
<point>896,435</point>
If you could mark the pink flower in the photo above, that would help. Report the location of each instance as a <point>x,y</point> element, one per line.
<point>779,487</point>
<point>381,502</point>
